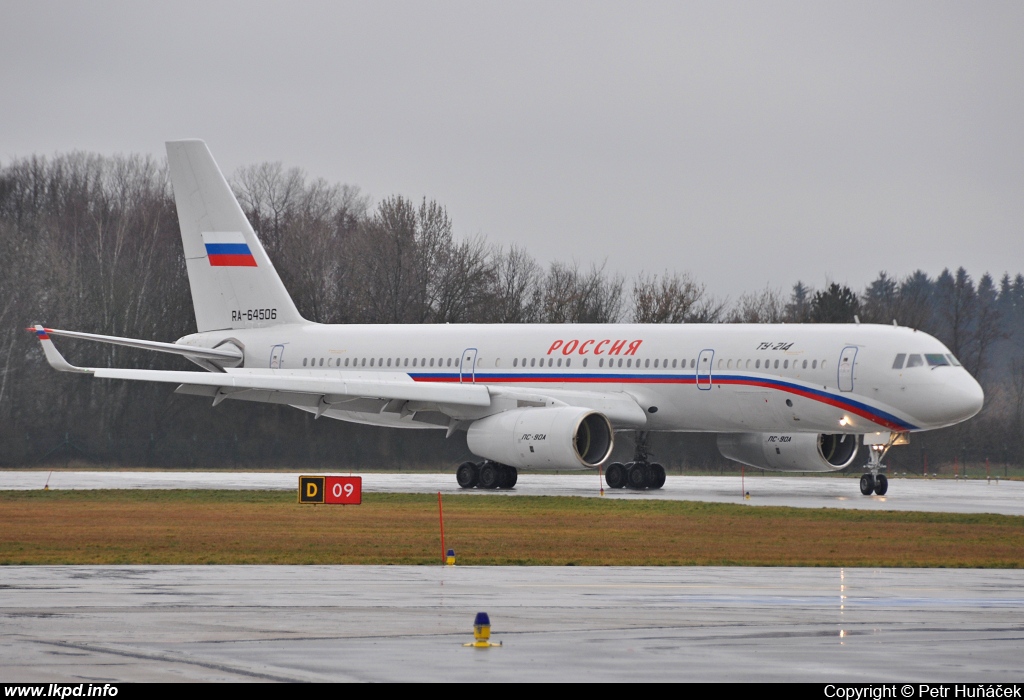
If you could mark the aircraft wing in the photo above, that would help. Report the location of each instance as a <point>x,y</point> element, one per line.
<point>338,389</point>
<point>228,353</point>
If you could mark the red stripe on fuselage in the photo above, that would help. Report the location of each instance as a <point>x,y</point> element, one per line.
<point>836,402</point>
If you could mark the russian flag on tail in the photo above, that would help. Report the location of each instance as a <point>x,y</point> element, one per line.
<point>228,249</point>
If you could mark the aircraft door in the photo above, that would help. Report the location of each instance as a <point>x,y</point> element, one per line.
<point>467,366</point>
<point>846,363</point>
<point>704,361</point>
<point>276,356</point>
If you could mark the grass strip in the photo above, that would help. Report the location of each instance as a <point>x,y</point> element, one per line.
<point>269,527</point>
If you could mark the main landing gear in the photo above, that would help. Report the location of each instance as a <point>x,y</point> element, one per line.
<point>486,475</point>
<point>641,473</point>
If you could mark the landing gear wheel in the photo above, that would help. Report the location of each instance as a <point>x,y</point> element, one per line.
<point>636,475</point>
<point>615,475</point>
<point>867,484</point>
<point>881,484</point>
<point>490,476</point>
<point>509,477</point>
<point>467,475</point>
<point>655,476</point>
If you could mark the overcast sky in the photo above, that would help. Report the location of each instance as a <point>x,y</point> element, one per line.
<point>750,144</point>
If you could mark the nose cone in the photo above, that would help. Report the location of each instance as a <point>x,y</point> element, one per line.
<point>962,398</point>
<point>968,396</point>
<point>947,399</point>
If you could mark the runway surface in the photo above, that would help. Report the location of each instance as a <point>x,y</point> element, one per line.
<point>913,494</point>
<point>393,623</point>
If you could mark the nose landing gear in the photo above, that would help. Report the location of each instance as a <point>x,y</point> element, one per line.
<point>874,482</point>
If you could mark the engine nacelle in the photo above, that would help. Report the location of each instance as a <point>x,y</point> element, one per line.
<point>798,452</point>
<point>565,437</point>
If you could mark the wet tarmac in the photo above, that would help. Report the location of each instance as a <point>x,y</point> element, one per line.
<point>397,623</point>
<point>912,494</point>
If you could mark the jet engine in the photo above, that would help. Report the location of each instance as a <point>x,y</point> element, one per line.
<point>798,452</point>
<point>564,437</point>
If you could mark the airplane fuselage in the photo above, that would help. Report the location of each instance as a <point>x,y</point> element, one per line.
<point>718,378</point>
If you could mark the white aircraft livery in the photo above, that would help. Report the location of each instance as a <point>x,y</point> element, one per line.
<point>780,397</point>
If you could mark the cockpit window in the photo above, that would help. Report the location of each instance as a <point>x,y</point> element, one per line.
<point>937,360</point>
<point>898,363</point>
<point>953,361</point>
<point>914,361</point>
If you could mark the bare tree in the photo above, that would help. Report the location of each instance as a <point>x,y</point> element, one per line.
<point>516,288</point>
<point>571,296</point>
<point>766,306</point>
<point>674,298</point>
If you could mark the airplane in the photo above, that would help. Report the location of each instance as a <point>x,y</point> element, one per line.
<point>782,397</point>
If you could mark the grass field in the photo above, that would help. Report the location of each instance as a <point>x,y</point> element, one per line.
<point>269,527</point>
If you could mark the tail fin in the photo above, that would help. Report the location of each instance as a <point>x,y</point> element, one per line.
<point>233,283</point>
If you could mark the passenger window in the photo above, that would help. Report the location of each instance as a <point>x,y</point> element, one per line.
<point>364,363</point>
<point>533,361</point>
<point>600,363</point>
<point>584,362</point>
<point>629,362</point>
<point>431,361</point>
<point>693,363</point>
<point>914,361</point>
<point>389,362</point>
<point>515,362</point>
<point>757,364</point>
<point>647,363</point>
<point>569,362</point>
<point>620,362</point>
<point>814,364</point>
<point>371,362</point>
<point>559,361</point>
<point>674,364</point>
<point>805,364</point>
<point>898,362</point>
<point>304,361</point>
<point>776,364</point>
<point>346,362</point>
<point>321,362</point>
<point>785,365</point>
<point>551,361</point>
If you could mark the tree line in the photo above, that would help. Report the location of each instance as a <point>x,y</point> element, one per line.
<point>91,243</point>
